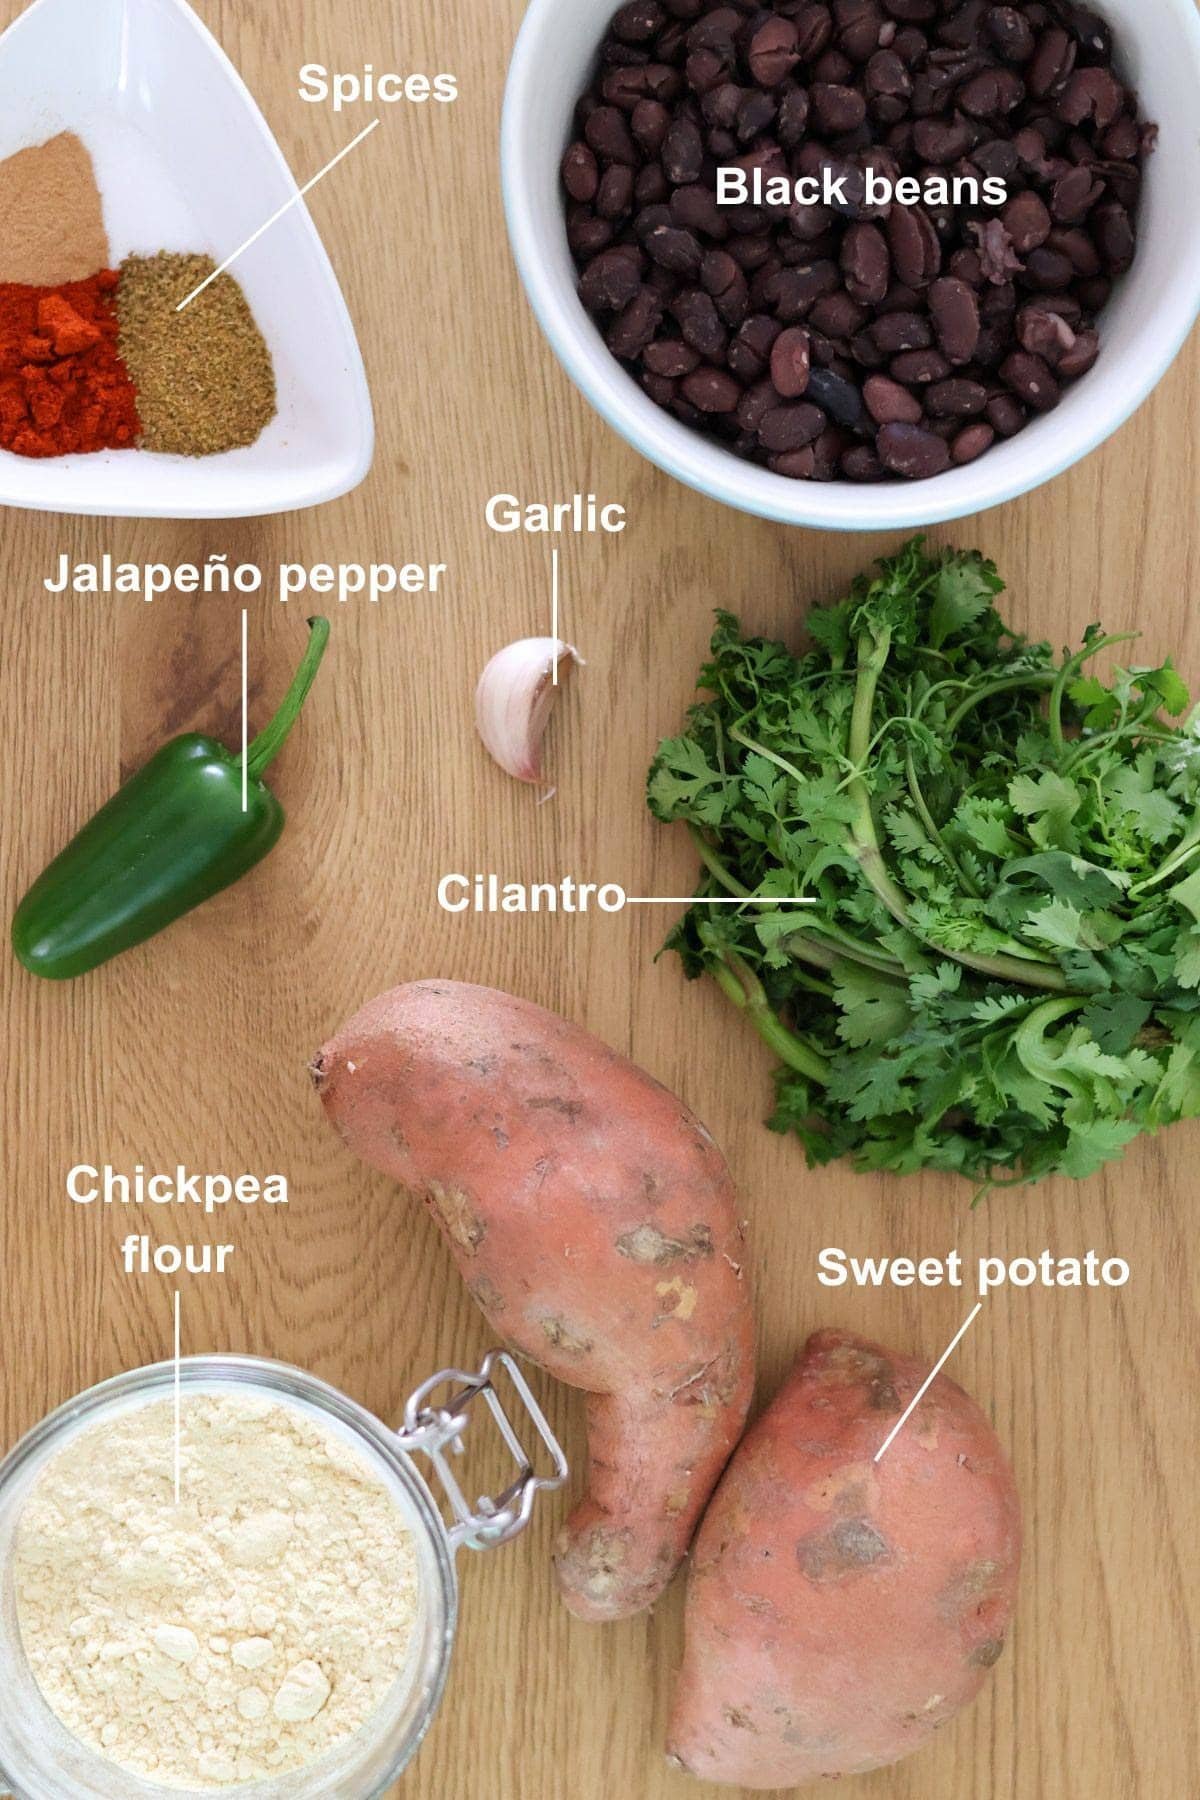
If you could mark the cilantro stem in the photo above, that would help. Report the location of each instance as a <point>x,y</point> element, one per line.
<point>844,949</point>
<point>1067,673</point>
<point>1035,678</point>
<point>738,983</point>
<point>714,865</point>
<point>1183,852</point>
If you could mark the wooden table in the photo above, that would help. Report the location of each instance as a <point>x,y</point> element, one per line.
<point>194,1049</point>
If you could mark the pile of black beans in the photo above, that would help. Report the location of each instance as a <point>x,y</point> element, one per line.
<point>852,341</point>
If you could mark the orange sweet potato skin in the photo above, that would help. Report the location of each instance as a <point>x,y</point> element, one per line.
<point>839,1610</point>
<point>595,1223</point>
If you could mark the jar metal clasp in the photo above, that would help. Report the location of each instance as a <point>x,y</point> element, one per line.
<point>436,1429</point>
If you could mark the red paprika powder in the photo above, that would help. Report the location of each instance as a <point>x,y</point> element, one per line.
<point>63,385</point>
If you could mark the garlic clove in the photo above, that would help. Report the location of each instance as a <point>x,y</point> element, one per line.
<point>515,698</point>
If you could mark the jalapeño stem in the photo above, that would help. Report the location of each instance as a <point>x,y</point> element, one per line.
<point>271,739</point>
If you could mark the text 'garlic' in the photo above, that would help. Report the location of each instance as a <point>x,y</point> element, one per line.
<point>515,698</point>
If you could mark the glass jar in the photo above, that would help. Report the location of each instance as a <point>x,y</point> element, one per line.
<point>41,1760</point>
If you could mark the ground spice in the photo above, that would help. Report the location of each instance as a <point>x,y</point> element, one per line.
<point>204,376</point>
<point>51,215</point>
<point>63,385</point>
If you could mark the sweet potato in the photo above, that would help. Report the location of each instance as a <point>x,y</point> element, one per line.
<point>839,1610</point>
<point>594,1221</point>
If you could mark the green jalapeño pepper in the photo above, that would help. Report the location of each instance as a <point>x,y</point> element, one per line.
<point>187,825</point>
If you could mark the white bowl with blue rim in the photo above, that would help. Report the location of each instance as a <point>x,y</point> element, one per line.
<point>1142,329</point>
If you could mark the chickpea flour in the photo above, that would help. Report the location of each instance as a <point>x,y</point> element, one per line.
<point>238,1635</point>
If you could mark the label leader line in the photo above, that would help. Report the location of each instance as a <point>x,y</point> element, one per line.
<point>925,1386</point>
<point>276,216</point>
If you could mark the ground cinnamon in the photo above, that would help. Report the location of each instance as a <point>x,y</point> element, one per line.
<point>63,385</point>
<point>51,215</point>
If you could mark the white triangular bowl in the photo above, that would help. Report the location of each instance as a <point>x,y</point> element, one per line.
<point>187,162</point>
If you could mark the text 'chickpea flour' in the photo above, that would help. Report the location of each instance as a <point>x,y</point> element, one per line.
<point>240,1634</point>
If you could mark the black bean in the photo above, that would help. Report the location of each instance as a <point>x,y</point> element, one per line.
<point>889,403</point>
<point>829,450</point>
<point>670,357</point>
<point>911,451</point>
<point>751,252</point>
<point>866,264</point>
<point>1095,293</point>
<point>773,52</point>
<point>991,94</point>
<point>638,22</point>
<point>917,368</point>
<point>1047,270</point>
<point>791,427</point>
<point>660,389</point>
<point>955,313</point>
<point>587,235</point>
<point>833,68</point>
<point>756,114</point>
<point>838,316</point>
<point>837,395</point>
<point>721,277</point>
<point>581,172</point>
<point>916,252</point>
<point>1044,333</point>
<point>1027,221</point>
<point>858,26</point>
<point>956,398</point>
<point>1075,194</point>
<point>866,352</point>
<point>683,151</point>
<point>1115,238</point>
<point>791,362</point>
<point>971,442</point>
<point>791,292</point>
<point>916,12</point>
<point>711,391</point>
<point>700,322</point>
<point>674,249</point>
<point>650,187</point>
<point>1052,63</point>
<point>1092,96</point>
<point>898,331</point>
<point>1081,357</point>
<point>940,141</point>
<point>835,109</point>
<point>814,31</point>
<point>1122,141</point>
<point>798,465</point>
<point>750,351</point>
<point>614,198</point>
<point>610,281</point>
<point>649,123</point>
<point>1032,380</point>
<point>1006,415</point>
<point>607,132</point>
<point>862,464</point>
<point>755,404</point>
<point>1010,33</point>
<point>634,328</point>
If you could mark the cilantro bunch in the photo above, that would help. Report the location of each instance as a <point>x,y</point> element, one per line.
<point>1000,973</point>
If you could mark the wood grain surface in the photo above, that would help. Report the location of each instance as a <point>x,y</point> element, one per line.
<point>194,1049</point>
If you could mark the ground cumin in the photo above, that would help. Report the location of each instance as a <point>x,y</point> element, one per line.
<point>204,376</point>
<point>51,216</point>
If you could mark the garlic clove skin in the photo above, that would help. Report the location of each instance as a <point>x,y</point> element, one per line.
<point>515,698</point>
